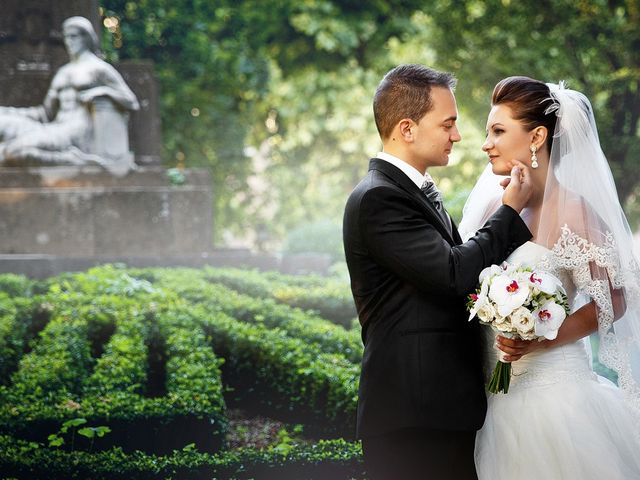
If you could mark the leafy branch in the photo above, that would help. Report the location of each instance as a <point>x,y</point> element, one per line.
<point>57,439</point>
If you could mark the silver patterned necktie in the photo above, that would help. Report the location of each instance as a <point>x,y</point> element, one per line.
<point>432,193</point>
<point>435,197</point>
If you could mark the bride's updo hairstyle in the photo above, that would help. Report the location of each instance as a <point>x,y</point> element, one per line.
<point>529,101</point>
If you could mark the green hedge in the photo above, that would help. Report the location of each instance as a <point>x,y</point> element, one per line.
<point>282,376</point>
<point>154,354</point>
<point>332,301</point>
<point>325,460</point>
<point>190,285</point>
<point>50,374</point>
<point>53,383</point>
<point>328,297</point>
<point>21,319</point>
<point>118,393</point>
<point>16,285</point>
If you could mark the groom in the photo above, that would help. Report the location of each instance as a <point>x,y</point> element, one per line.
<point>421,396</point>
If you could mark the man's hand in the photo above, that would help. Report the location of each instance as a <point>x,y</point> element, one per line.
<point>518,188</point>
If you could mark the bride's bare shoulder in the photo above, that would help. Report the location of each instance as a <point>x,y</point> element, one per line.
<point>581,218</point>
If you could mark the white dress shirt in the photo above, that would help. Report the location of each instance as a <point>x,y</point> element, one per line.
<point>414,175</point>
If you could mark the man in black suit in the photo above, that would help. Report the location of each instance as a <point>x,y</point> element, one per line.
<point>421,396</point>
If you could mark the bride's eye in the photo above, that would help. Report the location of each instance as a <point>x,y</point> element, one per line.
<point>498,131</point>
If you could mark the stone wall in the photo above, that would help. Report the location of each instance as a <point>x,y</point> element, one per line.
<point>85,211</point>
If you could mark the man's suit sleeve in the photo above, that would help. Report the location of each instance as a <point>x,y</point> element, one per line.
<point>399,236</point>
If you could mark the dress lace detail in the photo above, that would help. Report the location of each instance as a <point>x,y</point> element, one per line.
<point>571,422</point>
<point>595,270</point>
<point>583,428</point>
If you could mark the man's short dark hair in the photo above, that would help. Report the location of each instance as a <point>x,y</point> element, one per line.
<point>405,92</point>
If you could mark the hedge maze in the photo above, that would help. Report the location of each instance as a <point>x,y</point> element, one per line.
<point>128,373</point>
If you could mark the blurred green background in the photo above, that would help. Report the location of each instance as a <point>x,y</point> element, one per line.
<point>275,95</point>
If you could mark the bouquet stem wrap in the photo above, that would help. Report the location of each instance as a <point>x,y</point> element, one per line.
<point>501,376</point>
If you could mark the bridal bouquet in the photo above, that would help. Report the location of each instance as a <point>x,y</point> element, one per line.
<point>518,301</point>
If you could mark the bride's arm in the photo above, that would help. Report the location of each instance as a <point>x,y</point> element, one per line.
<point>581,323</point>
<point>583,251</point>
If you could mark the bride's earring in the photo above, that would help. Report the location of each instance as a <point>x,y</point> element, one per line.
<point>534,158</point>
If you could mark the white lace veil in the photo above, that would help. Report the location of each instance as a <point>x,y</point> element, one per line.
<point>583,225</point>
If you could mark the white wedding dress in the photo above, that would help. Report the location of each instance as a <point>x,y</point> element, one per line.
<point>559,421</point>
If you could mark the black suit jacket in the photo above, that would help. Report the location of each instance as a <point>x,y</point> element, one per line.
<point>422,364</point>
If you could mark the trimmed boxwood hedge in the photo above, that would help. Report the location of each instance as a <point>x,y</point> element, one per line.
<point>21,319</point>
<point>53,383</point>
<point>325,460</point>
<point>48,375</point>
<point>190,285</point>
<point>284,377</point>
<point>190,410</point>
<point>154,354</point>
<point>328,297</point>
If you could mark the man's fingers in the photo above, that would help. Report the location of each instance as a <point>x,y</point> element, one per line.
<point>519,189</point>
<point>505,181</point>
<point>515,175</point>
<point>525,173</point>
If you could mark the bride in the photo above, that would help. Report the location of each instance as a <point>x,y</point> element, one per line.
<point>560,420</point>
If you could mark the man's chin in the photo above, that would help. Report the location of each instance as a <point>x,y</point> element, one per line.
<point>443,162</point>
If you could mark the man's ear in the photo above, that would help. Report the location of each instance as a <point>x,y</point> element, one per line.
<point>405,129</point>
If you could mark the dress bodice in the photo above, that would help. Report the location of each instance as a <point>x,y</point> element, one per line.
<point>529,253</point>
<point>539,257</point>
<point>550,366</point>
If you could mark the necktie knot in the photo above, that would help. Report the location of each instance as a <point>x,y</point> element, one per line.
<point>431,192</point>
<point>435,197</point>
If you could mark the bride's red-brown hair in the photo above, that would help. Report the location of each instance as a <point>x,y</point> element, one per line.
<point>529,100</point>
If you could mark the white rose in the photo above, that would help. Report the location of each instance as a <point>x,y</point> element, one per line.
<point>487,313</point>
<point>502,324</point>
<point>523,321</point>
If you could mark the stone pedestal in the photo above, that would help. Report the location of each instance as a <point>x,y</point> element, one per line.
<point>86,212</point>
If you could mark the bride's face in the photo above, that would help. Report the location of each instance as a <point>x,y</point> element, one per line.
<point>507,140</point>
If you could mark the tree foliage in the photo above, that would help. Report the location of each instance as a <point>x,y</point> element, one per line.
<point>593,45</point>
<point>225,66</point>
<point>275,96</point>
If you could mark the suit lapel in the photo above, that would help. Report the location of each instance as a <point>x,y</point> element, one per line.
<point>456,234</point>
<point>398,177</point>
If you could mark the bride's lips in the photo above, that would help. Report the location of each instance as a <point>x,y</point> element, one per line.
<point>492,158</point>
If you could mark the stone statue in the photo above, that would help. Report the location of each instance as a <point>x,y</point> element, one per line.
<point>83,119</point>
